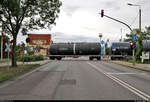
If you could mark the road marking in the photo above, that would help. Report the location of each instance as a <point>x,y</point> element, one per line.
<point>124,84</point>
<point>127,73</point>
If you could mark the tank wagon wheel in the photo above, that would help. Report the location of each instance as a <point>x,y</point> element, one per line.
<point>59,58</point>
<point>52,58</point>
<point>98,58</point>
<point>91,58</point>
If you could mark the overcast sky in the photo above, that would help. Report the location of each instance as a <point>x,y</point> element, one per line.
<point>80,21</point>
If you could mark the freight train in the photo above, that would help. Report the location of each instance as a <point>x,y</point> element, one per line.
<point>119,50</point>
<point>61,50</point>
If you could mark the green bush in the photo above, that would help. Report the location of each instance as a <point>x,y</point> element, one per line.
<point>28,58</point>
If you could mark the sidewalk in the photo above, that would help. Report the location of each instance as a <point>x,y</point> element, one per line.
<point>144,67</point>
<point>18,63</point>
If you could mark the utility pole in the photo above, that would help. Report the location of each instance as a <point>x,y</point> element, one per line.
<point>140,19</point>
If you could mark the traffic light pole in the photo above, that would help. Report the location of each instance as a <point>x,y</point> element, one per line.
<point>133,51</point>
<point>119,22</point>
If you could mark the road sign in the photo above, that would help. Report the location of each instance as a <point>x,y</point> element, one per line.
<point>102,53</point>
<point>134,37</point>
<point>145,55</point>
<point>7,47</point>
<point>102,48</point>
<point>102,42</point>
<point>113,47</point>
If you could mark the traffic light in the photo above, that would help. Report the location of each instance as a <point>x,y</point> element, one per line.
<point>28,40</point>
<point>132,45</point>
<point>102,13</point>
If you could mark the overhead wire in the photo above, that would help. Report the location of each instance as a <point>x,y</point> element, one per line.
<point>134,20</point>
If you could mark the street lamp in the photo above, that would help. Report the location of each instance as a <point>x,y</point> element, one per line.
<point>100,36</point>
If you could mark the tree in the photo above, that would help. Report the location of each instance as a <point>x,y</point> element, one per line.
<point>129,36</point>
<point>145,35</point>
<point>24,15</point>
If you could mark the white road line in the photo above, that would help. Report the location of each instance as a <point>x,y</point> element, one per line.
<point>127,73</point>
<point>124,84</point>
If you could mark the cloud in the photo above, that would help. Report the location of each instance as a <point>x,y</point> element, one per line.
<point>79,19</point>
<point>70,10</point>
<point>61,37</point>
<point>112,4</point>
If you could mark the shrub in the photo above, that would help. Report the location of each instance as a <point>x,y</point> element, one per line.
<point>28,58</point>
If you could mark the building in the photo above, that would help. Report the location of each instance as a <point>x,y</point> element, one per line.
<point>39,43</point>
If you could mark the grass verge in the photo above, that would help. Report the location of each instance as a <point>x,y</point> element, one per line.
<point>4,60</point>
<point>139,62</point>
<point>12,72</point>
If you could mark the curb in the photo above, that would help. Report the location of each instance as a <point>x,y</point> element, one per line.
<point>24,63</point>
<point>130,66</point>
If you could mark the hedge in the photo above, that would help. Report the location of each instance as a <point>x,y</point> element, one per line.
<point>29,58</point>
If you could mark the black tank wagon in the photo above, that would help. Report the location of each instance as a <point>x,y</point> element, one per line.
<point>120,50</point>
<point>60,50</point>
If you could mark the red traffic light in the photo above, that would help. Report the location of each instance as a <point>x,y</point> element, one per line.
<point>11,41</point>
<point>131,43</point>
<point>5,41</point>
<point>102,13</point>
<point>4,52</point>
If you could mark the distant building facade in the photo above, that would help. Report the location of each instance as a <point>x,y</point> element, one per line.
<point>39,43</point>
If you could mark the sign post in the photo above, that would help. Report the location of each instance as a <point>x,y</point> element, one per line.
<point>134,39</point>
<point>102,47</point>
<point>8,51</point>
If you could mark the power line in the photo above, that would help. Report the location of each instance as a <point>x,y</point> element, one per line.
<point>134,19</point>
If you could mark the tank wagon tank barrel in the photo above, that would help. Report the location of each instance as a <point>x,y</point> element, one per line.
<point>123,48</point>
<point>59,50</point>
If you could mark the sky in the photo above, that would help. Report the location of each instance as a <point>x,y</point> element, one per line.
<point>80,21</point>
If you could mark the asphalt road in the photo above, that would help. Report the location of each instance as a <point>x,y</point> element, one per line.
<point>79,80</point>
